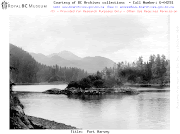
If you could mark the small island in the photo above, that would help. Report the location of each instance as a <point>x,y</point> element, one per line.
<point>92,85</point>
<point>92,72</point>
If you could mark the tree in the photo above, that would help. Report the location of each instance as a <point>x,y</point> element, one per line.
<point>98,83</point>
<point>30,71</point>
<point>140,63</point>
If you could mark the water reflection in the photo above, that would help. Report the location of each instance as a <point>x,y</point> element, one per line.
<point>143,111</point>
<point>154,110</point>
<point>88,98</point>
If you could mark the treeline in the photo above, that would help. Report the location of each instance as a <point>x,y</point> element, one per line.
<point>90,81</point>
<point>27,70</point>
<point>154,71</point>
<point>57,73</point>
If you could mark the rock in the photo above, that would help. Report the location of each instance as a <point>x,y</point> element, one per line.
<point>46,124</point>
<point>58,91</point>
<point>16,123</point>
<point>19,120</point>
<point>92,91</point>
<point>53,91</point>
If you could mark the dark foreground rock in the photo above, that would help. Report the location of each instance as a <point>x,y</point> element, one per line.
<point>58,91</point>
<point>19,120</point>
<point>46,124</point>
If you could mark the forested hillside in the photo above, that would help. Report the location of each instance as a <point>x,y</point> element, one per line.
<point>68,59</point>
<point>154,71</point>
<point>28,70</point>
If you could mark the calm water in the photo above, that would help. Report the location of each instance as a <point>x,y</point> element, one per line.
<point>37,88</point>
<point>144,111</point>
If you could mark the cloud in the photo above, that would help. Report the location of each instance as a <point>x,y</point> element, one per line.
<point>112,36</point>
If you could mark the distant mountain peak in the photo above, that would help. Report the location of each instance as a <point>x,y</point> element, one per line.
<point>66,55</point>
<point>68,59</point>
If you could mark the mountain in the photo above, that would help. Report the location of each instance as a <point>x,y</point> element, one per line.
<point>51,60</point>
<point>25,68</point>
<point>24,64</point>
<point>66,55</point>
<point>59,61</point>
<point>41,58</point>
<point>94,64</point>
<point>68,59</point>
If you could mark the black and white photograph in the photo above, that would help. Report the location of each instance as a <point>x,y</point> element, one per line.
<point>89,72</point>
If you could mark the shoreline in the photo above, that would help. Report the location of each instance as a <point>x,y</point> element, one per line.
<point>130,85</point>
<point>148,85</point>
<point>100,91</point>
<point>19,120</point>
<point>40,123</point>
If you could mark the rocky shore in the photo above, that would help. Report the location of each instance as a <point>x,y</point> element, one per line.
<point>19,120</point>
<point>47,124</point>
<point>91,91</point>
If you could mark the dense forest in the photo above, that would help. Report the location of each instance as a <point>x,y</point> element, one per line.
<point>155,71</point>
<point>27,70</point>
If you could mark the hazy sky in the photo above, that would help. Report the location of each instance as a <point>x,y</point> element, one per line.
<point>118,37</point>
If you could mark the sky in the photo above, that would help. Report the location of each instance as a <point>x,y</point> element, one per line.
<point>117,37</point>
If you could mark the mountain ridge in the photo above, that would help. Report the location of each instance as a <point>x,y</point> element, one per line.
<point>66,55</point>
<point>89,64</point>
